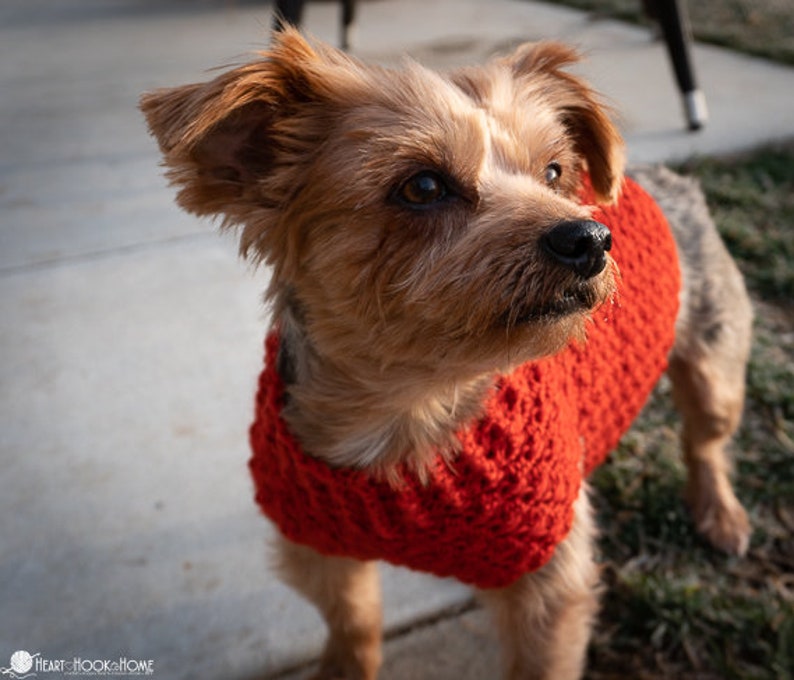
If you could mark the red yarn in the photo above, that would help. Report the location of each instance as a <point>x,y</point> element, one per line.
<point>507,500</point>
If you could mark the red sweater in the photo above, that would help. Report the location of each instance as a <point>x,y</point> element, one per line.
<point>506,501</point>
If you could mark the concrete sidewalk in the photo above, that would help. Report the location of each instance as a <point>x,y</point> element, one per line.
<point>130,335</point>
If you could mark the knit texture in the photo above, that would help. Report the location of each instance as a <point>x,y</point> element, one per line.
<point>507,500</point>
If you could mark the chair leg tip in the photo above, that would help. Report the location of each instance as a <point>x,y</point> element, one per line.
<point>695,109</point>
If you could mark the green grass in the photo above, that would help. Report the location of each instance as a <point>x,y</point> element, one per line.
<point>675,608</point>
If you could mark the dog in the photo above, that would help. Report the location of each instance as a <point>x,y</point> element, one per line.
<point>471,302</point>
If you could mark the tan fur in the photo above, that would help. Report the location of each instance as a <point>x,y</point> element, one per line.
<point>396,319</point>
<point>709,360</point>
<point>255,146</point>
<point>544,619</point>
<point>347,593</point>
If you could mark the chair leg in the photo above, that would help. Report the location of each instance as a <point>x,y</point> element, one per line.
<point>290,13</point>
<point>348,22</point>
<point>676,33</point>
<point>287,13</point>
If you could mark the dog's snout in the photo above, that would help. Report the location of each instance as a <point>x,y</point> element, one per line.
<point>580,245</point>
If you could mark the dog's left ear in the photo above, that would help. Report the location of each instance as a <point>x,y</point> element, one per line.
<point>595,136</point>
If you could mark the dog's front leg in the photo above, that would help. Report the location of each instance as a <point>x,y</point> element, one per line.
<point>544,619</point>
<point>347,593</point>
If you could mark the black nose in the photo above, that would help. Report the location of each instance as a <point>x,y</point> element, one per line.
<point>579,245</point>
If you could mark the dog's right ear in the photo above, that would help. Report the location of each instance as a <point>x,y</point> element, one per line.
<point>219,138</point>
<point>595,136</point>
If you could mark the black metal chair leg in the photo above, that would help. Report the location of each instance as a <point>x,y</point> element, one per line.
<point>348,22</point>
<point>290,12</point>
<point>677,36</point>
<point>287,12</point>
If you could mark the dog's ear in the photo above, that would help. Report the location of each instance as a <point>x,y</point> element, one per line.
<point>219,139</point>
<point>595,136</point>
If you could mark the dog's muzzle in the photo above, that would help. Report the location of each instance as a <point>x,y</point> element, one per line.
<point>579,245</point>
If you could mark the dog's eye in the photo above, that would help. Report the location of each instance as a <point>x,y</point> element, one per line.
<point>553,174</point>
<point>423,189</point>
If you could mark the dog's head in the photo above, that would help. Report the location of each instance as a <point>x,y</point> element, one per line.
<point>418,216</point>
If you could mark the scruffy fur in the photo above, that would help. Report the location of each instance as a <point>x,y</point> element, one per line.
<point>401,213</point>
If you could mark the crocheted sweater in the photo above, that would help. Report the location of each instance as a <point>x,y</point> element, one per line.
<point>505,502</point>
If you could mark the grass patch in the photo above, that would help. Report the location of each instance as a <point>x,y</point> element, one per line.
<point>675,608</point>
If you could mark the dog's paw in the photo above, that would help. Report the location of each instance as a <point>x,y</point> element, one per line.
<point>724,523</point>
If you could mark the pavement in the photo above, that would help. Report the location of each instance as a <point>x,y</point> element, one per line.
<point>130,334</point>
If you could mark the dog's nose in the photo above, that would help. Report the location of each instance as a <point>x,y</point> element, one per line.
<point>579,245</point>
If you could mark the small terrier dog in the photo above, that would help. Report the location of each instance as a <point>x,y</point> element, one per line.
<point>469,307</point>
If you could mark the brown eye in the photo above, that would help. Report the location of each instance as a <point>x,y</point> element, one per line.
<point>553,174</point>
<point>423,189</point>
